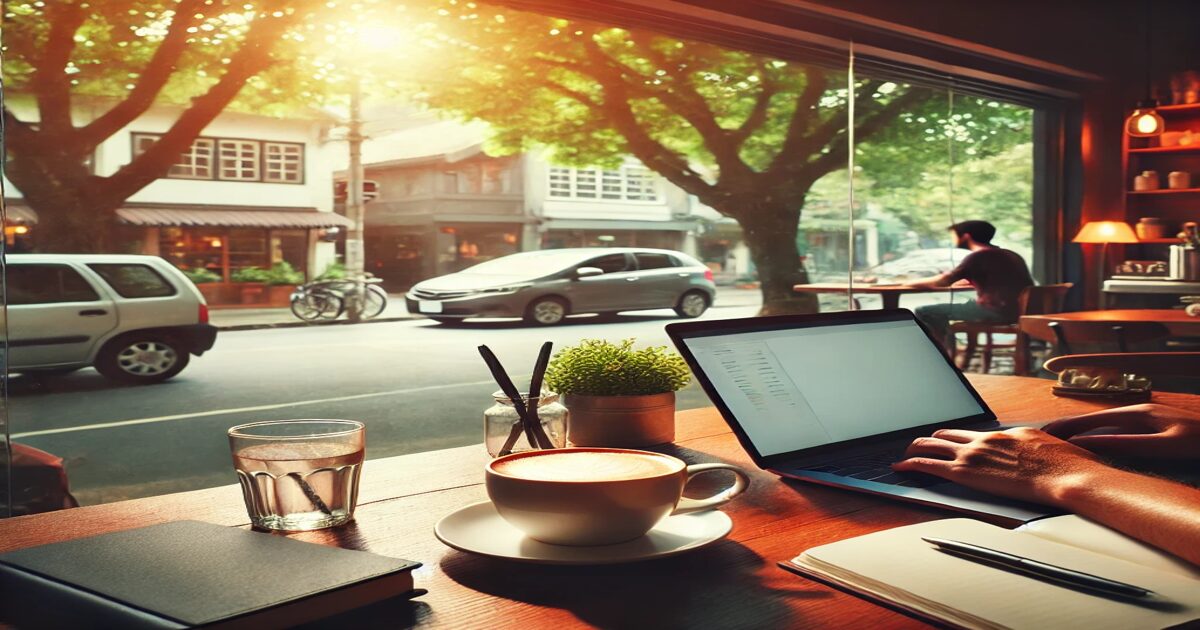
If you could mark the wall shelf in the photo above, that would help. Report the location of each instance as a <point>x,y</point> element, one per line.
<point>1164,191</point>
<point>1186,107</point>
<point>1159,241</point>
<point>1191,148</point>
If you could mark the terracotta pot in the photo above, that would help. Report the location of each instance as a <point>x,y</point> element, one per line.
<point>252,292</point>
<point>620,421</point>
<point>280,294</point>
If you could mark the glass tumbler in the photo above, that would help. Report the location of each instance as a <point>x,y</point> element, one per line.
<point>299,475</point>
<point>504,434</point>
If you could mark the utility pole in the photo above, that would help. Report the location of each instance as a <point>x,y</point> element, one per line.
<point>355,207</point>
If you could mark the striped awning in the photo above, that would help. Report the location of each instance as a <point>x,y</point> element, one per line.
<point>19,213</point>
<point>304,218</point>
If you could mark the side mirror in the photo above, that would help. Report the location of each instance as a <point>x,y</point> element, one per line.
<point>587,272</point>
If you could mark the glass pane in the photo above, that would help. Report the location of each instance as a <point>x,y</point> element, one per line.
<point>134,281</point>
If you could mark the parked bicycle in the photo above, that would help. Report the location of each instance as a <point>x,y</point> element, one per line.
<point>326,299</point>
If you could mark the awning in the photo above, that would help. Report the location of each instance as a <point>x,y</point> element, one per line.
<point>308,218</point>
<point>17,213</point>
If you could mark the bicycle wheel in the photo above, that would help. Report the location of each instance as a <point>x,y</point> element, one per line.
<point>374,301</point>
<point>314,305</point>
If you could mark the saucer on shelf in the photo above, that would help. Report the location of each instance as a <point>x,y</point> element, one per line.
<point>479,529</point>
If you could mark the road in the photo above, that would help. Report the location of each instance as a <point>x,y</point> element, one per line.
<point>417,385</point>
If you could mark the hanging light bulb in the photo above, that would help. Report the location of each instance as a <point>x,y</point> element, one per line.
<point>1145,121</point>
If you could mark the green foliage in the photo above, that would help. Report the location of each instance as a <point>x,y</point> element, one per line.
<point>200,275</point>
<point>281,273</point>
<point>601,368</point>
<point>335,271</point>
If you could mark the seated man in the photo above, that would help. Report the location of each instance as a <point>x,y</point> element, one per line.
<point>998,275</point>
<point>1059,466</point>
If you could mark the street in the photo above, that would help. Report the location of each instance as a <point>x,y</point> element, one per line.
<point>416,384</point>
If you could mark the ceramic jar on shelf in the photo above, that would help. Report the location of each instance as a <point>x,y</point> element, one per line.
<point>1147,180</point>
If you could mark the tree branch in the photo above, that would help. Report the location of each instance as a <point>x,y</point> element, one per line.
<point>253,57</point>
<point>18,134</point>
<point>814,86</point>
<point>51,84</point>
<point>836,157</point>
<point>758,113</point>
<point>152,79</point>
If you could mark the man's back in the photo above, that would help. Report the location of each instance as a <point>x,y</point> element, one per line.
<point>999,275</point>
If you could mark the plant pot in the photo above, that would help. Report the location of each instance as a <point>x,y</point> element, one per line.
<point>252,292</point>
<point>280,294</point>
<point>621,421</point>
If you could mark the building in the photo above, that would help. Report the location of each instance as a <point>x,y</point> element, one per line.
<point>443,204</point>
<point>252,191</point>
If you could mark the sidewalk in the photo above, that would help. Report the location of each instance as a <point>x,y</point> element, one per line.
<point>255,318</point>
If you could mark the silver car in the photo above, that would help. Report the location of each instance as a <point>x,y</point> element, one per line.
<point>137,319</point>
<point>544,287</point>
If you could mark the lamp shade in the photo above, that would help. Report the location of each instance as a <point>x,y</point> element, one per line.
<point>1105,232</point>
<point>1144,122</point>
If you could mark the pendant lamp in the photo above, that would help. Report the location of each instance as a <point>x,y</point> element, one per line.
<point>1145,121</point>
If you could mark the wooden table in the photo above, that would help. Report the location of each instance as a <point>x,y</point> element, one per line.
<point>733,584</point>
<point>889,292</point>
<point>1177,322</point>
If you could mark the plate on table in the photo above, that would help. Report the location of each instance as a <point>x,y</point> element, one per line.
<point>479,529</point>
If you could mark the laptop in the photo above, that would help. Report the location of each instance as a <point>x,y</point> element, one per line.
<point>836,398</point>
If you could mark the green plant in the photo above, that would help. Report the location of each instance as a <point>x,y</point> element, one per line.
<point>284,273</point>
<point>335,271</point>
<point>597,367</point>
<point>249,274</point>
<point>200,275</point>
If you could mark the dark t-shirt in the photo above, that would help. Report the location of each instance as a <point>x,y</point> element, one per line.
<point>999,276</point>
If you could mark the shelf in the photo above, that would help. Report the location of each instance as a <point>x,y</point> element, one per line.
<point>1159,241</point>
<point>1164,191</point>
<point>1187,107</point>
<point>1191,148</point>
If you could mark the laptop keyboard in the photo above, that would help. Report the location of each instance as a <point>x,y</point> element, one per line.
<point>877,467</point>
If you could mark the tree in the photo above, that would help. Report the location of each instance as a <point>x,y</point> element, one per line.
<point>125,56</point>
<point>746,134</point>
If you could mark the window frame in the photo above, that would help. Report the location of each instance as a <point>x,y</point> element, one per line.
<point>215,168</point>
<point>266,162</point>
<point>165,282</point>
<point>601,177</point>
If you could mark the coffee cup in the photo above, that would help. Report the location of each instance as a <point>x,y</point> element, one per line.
<point>596,496</point>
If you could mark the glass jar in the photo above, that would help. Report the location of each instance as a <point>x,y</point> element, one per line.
<point>504,434</point>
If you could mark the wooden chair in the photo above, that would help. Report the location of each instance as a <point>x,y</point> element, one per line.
<point>1120,335</point>
<point>1035,300</point>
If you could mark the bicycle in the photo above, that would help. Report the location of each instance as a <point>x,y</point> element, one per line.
<point>326,299</point>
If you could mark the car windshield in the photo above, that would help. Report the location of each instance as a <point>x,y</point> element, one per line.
<point>527,263</point>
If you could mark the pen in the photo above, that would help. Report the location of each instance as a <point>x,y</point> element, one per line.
<point>1036,568</point>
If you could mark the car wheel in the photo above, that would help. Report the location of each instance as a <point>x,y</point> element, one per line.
<point>692,304</point>
<point>140,359</point>
<point>546,311</point>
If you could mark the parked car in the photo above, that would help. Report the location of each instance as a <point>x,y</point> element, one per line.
<point>136,319</point>
<point>545,286</point>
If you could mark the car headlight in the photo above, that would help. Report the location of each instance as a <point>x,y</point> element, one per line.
<point>504,290</point>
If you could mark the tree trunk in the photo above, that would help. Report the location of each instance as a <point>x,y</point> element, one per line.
<point>70,219</point>
<point>770,230</point>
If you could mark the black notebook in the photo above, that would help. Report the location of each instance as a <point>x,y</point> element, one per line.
<point>187,573</point>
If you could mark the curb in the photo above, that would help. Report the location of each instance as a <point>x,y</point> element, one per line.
<point>303,324</point>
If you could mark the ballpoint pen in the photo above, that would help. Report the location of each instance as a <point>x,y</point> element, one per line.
<point>1036,568</point>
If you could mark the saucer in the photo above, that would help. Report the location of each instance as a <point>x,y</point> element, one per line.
<point>479,529</point>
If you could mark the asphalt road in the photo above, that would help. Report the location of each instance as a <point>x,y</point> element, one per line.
<point>416,384</point>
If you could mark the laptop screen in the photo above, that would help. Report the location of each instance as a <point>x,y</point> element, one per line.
<point>804,386</point>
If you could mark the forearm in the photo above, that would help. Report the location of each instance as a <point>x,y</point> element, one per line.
<point>1162,513</point>
<point>930,283</point>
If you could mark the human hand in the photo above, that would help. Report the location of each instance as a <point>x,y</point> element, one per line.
<point>1137,431</point>
<point>1020,463</point>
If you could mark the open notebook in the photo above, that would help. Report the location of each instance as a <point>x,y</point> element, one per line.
<point>896,567</point>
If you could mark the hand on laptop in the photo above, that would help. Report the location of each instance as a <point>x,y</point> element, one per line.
<point>1020,463</point>
<point>1137,431</point>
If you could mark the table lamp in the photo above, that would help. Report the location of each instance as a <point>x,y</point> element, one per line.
<point>1103,233</point>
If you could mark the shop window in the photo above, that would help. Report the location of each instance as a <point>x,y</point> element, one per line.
<point>239,160</point>
<point>46,284</point>
<point>134,281</point>
<point>247,248</point>
<point>283,163</point>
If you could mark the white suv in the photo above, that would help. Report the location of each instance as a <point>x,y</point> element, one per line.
<point>137,319</point>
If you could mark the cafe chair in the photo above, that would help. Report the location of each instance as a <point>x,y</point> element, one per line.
<point>1035,300</point>
<point>1068,333</point>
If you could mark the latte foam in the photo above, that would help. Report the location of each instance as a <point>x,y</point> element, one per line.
<point>586,466</point>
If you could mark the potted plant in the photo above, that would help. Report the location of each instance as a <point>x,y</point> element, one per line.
<point>618,396</point>
<point>282,279</point>
<point>253,281</point>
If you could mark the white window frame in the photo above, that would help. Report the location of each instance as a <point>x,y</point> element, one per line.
<point>564,182</point>
<point>247,166</point>
<point>286,166</point>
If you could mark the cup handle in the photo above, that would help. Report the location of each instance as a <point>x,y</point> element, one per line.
<point>687,506</point>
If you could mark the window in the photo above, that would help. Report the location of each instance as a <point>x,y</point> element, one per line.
<point>134,281</point>
<point>610,264</point>
<point>233,160</point>
<point>238,160</point>
<point>283,163</point>
<point>629,183</point>
<point>46,284</point>
<point>654,261</point>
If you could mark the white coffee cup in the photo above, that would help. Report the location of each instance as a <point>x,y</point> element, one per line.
<point>596,496</point>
